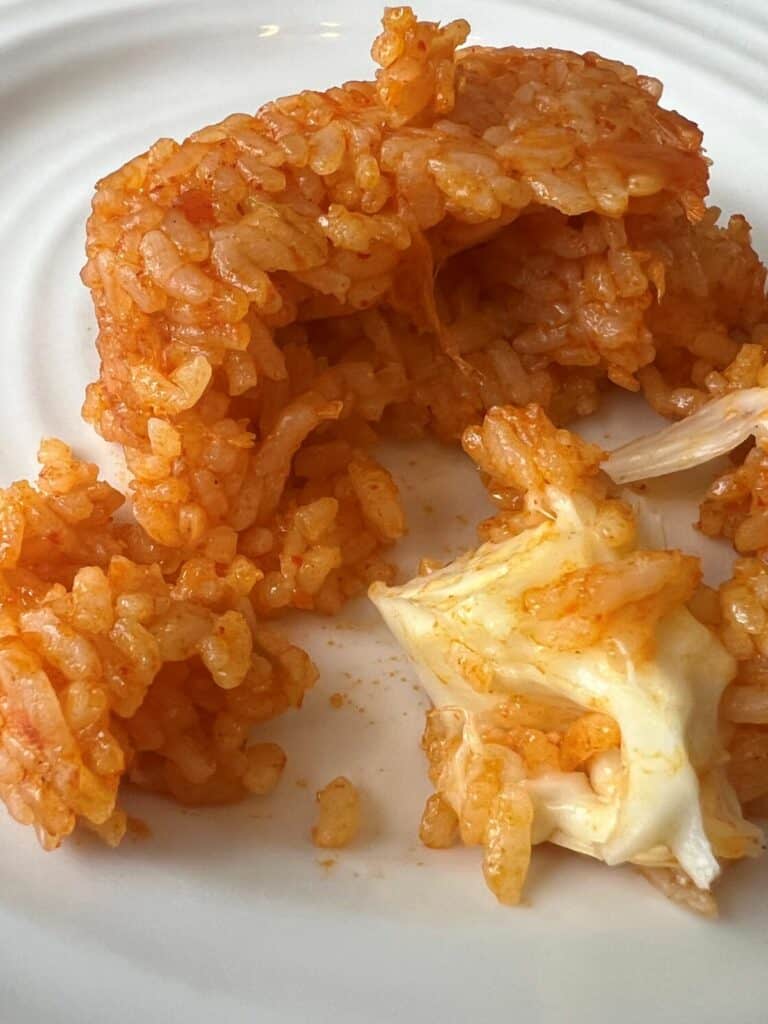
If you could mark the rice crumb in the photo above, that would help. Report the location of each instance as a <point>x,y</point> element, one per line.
<point>338,819</point>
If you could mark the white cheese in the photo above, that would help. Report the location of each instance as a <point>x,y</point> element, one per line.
<point>463,628</point>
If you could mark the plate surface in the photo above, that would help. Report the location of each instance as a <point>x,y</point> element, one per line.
<point>231,915</point>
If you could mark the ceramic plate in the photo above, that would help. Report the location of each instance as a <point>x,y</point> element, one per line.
<point>231,915</point>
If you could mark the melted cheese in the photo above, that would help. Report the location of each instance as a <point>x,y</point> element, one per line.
<point>463,630</point>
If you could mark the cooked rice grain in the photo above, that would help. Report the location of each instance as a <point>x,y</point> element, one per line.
<point>475,228</point>
<point>109,669</point>
<point>338,816</point>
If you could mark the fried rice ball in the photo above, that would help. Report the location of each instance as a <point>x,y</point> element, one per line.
<point>275,280</point>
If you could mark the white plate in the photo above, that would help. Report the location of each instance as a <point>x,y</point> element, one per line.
<point>229,915</point>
